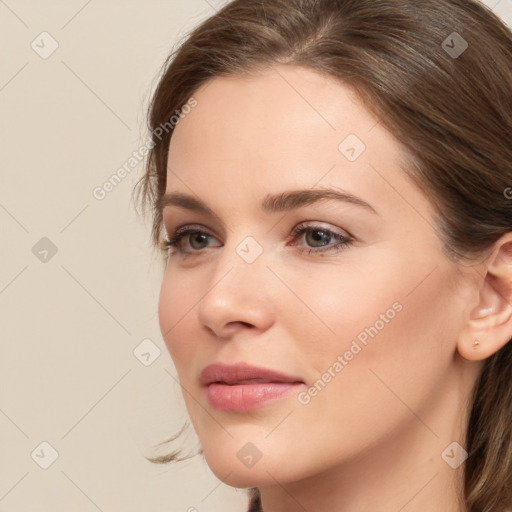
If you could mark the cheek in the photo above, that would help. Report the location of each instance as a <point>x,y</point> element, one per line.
<point>406,358</point>
<point>399,323</point>
<point>336,304</point>
<point>176,300</point>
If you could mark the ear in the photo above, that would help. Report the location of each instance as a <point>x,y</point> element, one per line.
<point>490,322</point>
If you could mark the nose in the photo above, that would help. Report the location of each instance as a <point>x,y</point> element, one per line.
<point>238,296</point>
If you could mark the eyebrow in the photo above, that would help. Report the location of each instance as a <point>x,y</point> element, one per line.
<point>282,202</point>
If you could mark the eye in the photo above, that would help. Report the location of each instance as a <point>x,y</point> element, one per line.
<point>319,239</point>
<point>190,240</point>
<point>197,238</point>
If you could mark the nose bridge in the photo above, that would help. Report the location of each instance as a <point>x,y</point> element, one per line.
<point>241,264</point>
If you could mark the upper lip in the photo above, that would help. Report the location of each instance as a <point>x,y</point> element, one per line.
<point>242,372</point>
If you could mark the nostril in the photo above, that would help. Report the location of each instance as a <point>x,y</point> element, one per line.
<point>245,324</point>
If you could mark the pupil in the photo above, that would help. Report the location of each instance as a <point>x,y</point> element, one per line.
<point>318,236</point>
<point>196,238</point>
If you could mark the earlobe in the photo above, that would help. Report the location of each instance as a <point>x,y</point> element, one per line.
<point>489,327</point>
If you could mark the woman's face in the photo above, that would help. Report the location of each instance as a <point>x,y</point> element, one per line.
<point>369,326</point>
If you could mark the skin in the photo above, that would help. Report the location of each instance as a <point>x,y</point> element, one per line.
<point>373,437</point>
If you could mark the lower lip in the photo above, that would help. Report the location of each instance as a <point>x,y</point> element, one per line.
<point>244,397</point>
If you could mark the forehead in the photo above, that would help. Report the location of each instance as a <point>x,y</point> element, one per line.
<point>286,127</point>
<point>278,106</point>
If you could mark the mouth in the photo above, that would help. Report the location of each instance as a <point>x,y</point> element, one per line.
<point>243,373</point>
<point>251,381</point>
<point>242,387</point>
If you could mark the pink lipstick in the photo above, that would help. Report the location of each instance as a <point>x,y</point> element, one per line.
<point>242,387</point>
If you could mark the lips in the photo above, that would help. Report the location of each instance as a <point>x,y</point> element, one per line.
<point>242,373</point>
<point>240,387</point>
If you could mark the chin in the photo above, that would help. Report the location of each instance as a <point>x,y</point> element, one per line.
<point>240,465</point>
<point>244,478</point>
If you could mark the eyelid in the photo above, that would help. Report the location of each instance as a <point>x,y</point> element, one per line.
<point>189,227</point>
<point>302,225</point>
<point>322,225</point>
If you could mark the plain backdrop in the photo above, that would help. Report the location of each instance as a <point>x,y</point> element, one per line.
<point>87,387</point>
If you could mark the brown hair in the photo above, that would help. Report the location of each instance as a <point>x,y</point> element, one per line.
<point>451,108</point>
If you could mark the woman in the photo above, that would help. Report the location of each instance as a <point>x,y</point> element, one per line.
<point>334,203</point>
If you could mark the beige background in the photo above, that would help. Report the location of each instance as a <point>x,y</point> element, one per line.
<point>71,323</point>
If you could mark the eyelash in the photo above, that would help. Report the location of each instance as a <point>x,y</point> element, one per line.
<point>343,242</point>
